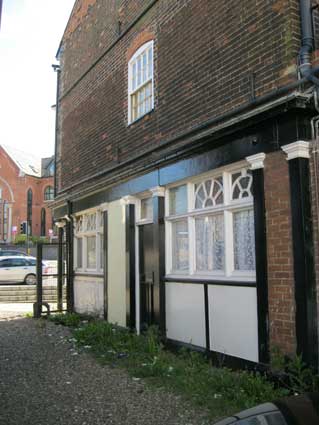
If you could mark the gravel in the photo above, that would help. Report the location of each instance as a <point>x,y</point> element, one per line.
<point>45,379</point>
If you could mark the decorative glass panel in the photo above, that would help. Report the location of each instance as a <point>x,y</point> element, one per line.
<point>91,222</point>
<point>242,184</point>
<point>178,200</point>
<point>210,246</point>
<point>244,240</point>
<point>91,252</point>
<point>209,193</point>
<point>79,224</point>
<point>147,208</point>
<point>79,252</point>
<point>180,245</point>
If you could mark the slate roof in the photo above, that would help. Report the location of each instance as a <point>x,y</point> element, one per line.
<point>27,163</point>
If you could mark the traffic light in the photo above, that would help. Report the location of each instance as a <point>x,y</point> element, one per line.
<point>23,228</point>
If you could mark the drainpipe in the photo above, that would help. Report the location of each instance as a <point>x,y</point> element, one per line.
<point>57,69</point>
<point>307,42</point>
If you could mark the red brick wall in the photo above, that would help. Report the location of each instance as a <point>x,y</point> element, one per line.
<point>204,52</point>
<point>20,185</point>
<point>280,253</point>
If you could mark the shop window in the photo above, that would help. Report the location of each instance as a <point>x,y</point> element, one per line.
<point>210,227</point>
<point>140,82</point>
<point>89,242</point>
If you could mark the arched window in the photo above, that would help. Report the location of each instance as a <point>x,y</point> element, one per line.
<point>43,217</point>
<point>29,211</point>
<point>48,193</point>
<point>140,82</point>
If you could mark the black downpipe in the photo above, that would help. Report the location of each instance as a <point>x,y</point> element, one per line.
<point>307,42</point>
<point>58,71</point>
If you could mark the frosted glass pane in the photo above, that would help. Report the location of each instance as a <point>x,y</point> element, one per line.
<point>178,200</point>
<point>180,245</point>
<point>91,252</point>
<point>244,240</point>
<point>147,208</point>
<point>210,246</point>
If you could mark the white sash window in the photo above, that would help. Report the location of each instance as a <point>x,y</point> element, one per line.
<point>140,82</point>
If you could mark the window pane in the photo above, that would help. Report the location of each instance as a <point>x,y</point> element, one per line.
<point>150,63</point>
<point>242,184</point>
<point>139,70</point>
<point>91,252</point>
<point>244,240</point>
<point>180,245</point>
<point>134,76</point>
<point>147,208</point>
<point>144,67</point>
<point>101,251</point>
<point>210,247</point>
<point>79,249</point>
<point>178,200</point>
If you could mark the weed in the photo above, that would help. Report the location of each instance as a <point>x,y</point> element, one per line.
<point>67,319</point>
<point>293,373</point>
<point>220,390</point>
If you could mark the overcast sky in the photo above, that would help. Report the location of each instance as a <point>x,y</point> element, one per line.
<point>30,34</point>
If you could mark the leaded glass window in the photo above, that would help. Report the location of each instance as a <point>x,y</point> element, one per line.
<point>210,227</point>
<point>209,193</point>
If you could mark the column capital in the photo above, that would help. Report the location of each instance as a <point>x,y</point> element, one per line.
<point>127,200</point>
<point>298,149</point>
<point>60,224</point>
<point>158,191</point>
<point>256,161</point>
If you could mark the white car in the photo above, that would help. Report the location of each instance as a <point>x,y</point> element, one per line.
<point>19,269</point>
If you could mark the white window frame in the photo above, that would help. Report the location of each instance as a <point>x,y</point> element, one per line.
<point>139,220</point>
<point>131,92</point>
<point>228,208</point>
<point>84,234</point>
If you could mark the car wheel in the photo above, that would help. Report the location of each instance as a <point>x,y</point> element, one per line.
<point>30,279</point>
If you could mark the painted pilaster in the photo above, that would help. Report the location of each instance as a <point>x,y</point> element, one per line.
<point>130,256</point>
<point>158,194</point>
<point>303,251</point>
<point>256,163</point>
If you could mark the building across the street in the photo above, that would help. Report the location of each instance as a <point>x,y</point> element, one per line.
<point>187,170</point>
<point>26,189</point>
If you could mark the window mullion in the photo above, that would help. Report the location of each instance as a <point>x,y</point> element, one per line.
<point>84,252</point>
<point>169,248</point>
<point>228,226</point>
<point>191,245</point>
<point>229,247</point>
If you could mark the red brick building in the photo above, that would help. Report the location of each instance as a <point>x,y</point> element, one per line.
<point>26,188</point>
<point>187,161</point>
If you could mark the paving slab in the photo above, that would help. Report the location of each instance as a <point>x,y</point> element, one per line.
<point>46,380</point>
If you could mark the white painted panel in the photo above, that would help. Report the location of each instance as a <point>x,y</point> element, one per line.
<point>89,295</point>
<point>185,317</point>
<point>116,264</point>
<point>233,321</point>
